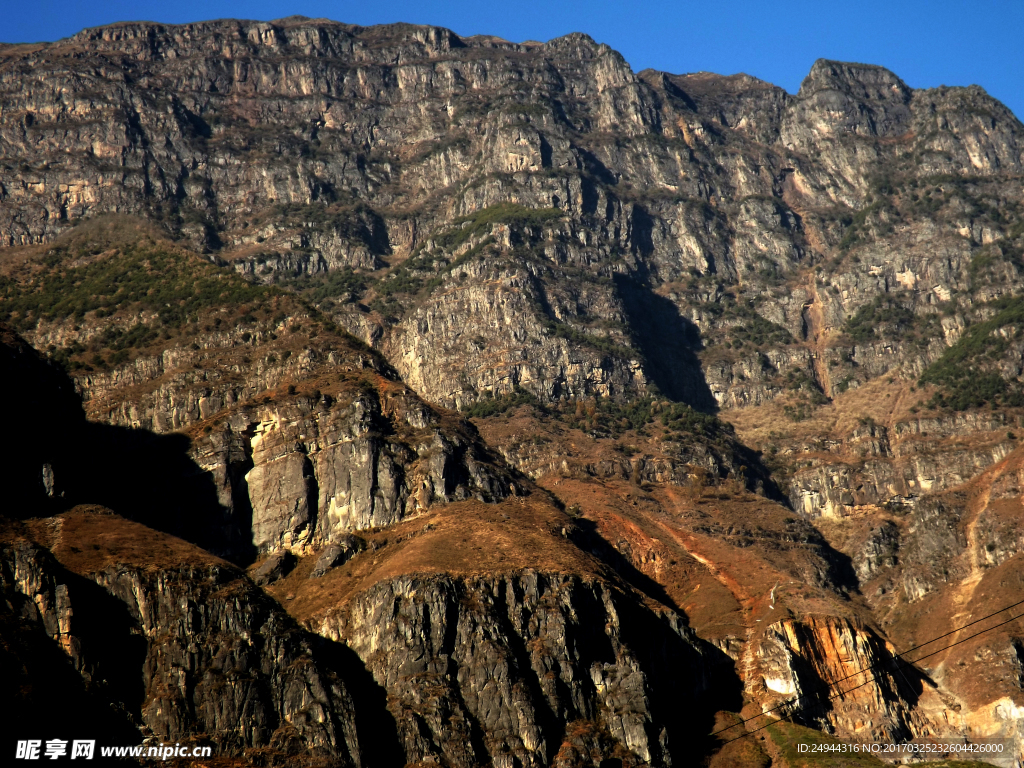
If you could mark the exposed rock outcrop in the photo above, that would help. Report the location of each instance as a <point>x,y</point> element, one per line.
<point>177,650</point>
<point>499,669</point>
<point>591,263</point>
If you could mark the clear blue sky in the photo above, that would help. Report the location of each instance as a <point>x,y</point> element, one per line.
<point>926,42</point>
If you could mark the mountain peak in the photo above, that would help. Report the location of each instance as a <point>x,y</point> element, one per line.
<point>861,81</point>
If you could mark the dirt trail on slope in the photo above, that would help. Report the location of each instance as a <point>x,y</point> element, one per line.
<point>964,594</point>
<point>747,666</point>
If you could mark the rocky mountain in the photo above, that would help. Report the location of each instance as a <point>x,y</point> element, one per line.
<point>385,397</point>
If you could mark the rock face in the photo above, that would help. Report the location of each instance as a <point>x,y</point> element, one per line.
<point>715,182</point>
<point>878,465</point>
<point>499,669</point>
<point>337,554</point>
<point>270,256</point>
<point>816,659</point>
<point>180,651</point>
<point>316,471</point>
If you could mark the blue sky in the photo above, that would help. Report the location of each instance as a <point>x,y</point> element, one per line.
<point>927,43</point>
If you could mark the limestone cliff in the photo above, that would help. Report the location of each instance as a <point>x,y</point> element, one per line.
<point>739,373</point>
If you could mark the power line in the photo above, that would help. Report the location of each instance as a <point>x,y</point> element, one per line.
<point>867,669</point>
<point>850,690</point>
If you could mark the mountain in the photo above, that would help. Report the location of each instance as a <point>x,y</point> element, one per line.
<point>386,397</point>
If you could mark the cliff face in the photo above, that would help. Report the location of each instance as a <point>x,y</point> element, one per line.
<point>373,144</point>
<point>312,471</point>
<point>175,646</point>
<point>739,373</point>
<point>502,669</point>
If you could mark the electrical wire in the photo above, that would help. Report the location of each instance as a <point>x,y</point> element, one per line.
<point>867,669</point>
<point>871,680</point>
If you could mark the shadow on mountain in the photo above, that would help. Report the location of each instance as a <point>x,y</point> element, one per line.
<point>379,743</point>
<point>670,656</point>
<point>62,460</point>
<point>43,418</point>
<point>898,680</point>
<point>47,697</point>
<point>674,661</point>
<point>589,539</point>
<point>669,343</point>
<point>151,479</point>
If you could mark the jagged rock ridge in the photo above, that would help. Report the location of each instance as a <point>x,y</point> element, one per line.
<point>587,261</point>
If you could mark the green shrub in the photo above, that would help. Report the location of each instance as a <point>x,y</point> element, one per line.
<point>612,417</point>
<point>887,316</point>
<point>761,333</point>
<point>425,270</point>
<point>493,406</point>
<point>859,226</point>
<point>481,222</point>
<point>171,284</point>
<point>340,282</point>
<point>600,343</point>
<point>965,370</point>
